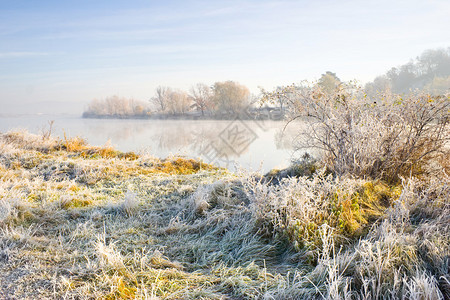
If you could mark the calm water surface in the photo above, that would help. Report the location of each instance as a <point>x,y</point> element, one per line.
<point>255,145</point>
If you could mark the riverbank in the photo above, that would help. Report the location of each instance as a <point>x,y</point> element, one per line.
<point>91,222</point>
<point>251,114</point>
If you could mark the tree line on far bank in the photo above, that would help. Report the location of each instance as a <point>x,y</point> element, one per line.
<point>429,72</point>
<point>221,100</point>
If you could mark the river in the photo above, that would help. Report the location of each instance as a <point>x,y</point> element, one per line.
<point>253,145</point>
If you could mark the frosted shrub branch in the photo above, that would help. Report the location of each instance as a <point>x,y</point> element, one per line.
<point>379,137</point>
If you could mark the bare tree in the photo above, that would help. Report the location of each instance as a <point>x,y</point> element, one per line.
<point>116,106</point>
<point>281,97</point>
<point>202,96</point>
<point>160,100</point>
<point>178,102</point>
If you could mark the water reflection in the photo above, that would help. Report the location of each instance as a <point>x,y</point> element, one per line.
<point>225,143</point>
<point>231,138</point>
<point>116,133</point>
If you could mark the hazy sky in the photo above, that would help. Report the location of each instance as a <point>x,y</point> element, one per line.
<point>74,51</point>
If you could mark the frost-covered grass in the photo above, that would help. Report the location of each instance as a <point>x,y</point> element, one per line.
<point>79,222</point>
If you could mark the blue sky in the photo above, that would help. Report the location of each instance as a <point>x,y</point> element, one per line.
<point>73,51</point>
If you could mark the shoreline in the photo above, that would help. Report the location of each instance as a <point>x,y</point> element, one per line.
<point>242,116</point>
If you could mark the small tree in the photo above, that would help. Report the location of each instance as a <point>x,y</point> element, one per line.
<point>115,106</point>
<point>178,102</point>
<point>202,96</point>
<point>329,82</point>
<point>380,84</point>
<point>161,99</point>
<point>230,97</point>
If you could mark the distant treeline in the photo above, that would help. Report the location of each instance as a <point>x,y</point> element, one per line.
<point>116,107</point>
<point>429,72</point>
<point>221,101</point>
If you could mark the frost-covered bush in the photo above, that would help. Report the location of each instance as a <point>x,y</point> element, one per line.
<point>383,137</point>
<point>296,207</point>
<point>404,256</point>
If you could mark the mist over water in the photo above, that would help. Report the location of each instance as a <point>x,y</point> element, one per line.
<point>252,145</point>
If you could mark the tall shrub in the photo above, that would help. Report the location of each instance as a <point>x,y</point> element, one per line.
<point>376,137</point>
